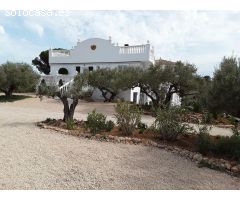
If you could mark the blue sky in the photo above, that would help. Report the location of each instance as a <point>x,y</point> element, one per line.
<point>199,37</point>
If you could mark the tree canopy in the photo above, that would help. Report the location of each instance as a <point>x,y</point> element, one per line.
<point>225,89</point>
<point>111,81</point>
<point>160,81</point>
<point>42,61</point>
<point>16,76</point>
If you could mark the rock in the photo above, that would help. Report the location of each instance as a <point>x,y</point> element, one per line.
<point>223,161</point>
<point>87,136</point>
<point>235,169</point>
<point>111,137</point>
<point>205,159</point>
<point>227,166</point>
<point>161,146</point>
<point>182,153</point>
<point>136,140</point>
<point>154,144</point>
<point>170,148</point>
<point>221,165</point>
<point>145,142</point>
<point>197,157</point>
<point>121,139</point>
<point>97,136</point>
<point>187,153</point>
<point>176,149</point>
<point>191,154</point>
<point>233,163</point>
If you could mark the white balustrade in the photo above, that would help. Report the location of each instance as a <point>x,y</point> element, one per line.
<point>66,86</point>
<point>138,49</point>
<point>60,53</point>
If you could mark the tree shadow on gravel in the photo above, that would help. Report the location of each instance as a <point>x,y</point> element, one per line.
<point>4,99</point>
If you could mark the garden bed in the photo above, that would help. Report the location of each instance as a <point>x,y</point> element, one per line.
<point>185,145</point>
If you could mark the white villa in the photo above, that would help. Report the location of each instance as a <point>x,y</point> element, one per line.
<point>95,53</point>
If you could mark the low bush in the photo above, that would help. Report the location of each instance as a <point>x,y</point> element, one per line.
<point>168,124</point>
<point>70,124</point>
<point>228,146</point>
<point>207,117</point>
<point>236,130</point>
<point>109,125</point>
<point>128,117</point>
<point>142,127</point>
<point>224,146</point>
<point>203,143</point>
<point>95,122</point>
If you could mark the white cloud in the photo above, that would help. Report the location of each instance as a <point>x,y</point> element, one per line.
<point>36,28</point>
<point>18,50</point>
<point>2,30</point>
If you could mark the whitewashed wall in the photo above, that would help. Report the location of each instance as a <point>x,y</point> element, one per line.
<point>105,52</point>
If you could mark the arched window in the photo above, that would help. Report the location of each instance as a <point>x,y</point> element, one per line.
<point>63,71</point>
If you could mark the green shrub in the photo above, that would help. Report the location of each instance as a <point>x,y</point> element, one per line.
<point>197,107</point>
<point>224,146</point>
<point>207,117</point>
<point>167,124</point>
<point>229,146</point>
<point>142,127</point>
<point>48,120</point>
<point>236,130</point>
<point>147,107</point>
<point>128,116</point>
<point>109,125</point>
<point>203,142</point>
<point>70,124</point>
<point>95,122</point>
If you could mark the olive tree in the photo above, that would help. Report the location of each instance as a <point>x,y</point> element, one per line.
<point>77,90</point>
<point>15,76</point>
<point>160,81</point>
<point>111,81</point>
<point>225,89</point>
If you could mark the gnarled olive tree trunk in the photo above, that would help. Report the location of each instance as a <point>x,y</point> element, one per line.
<point>106,92</point>
<point>9,91</point>
<point>68,110</point>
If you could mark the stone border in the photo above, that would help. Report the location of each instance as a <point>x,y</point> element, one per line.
<point>213,163</point>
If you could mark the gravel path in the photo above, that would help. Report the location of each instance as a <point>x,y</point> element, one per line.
<point>33,158</point>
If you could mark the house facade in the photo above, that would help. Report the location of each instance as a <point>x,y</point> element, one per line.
<point>95,53</point>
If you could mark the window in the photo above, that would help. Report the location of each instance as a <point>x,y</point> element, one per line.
<point>78,69</point>
<point>63,71</point>
<point>90,68</point>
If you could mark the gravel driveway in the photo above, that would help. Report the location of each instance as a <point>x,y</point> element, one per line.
<point>33,158</point>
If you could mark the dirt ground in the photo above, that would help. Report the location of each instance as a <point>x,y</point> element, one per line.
<point>33,158</point>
